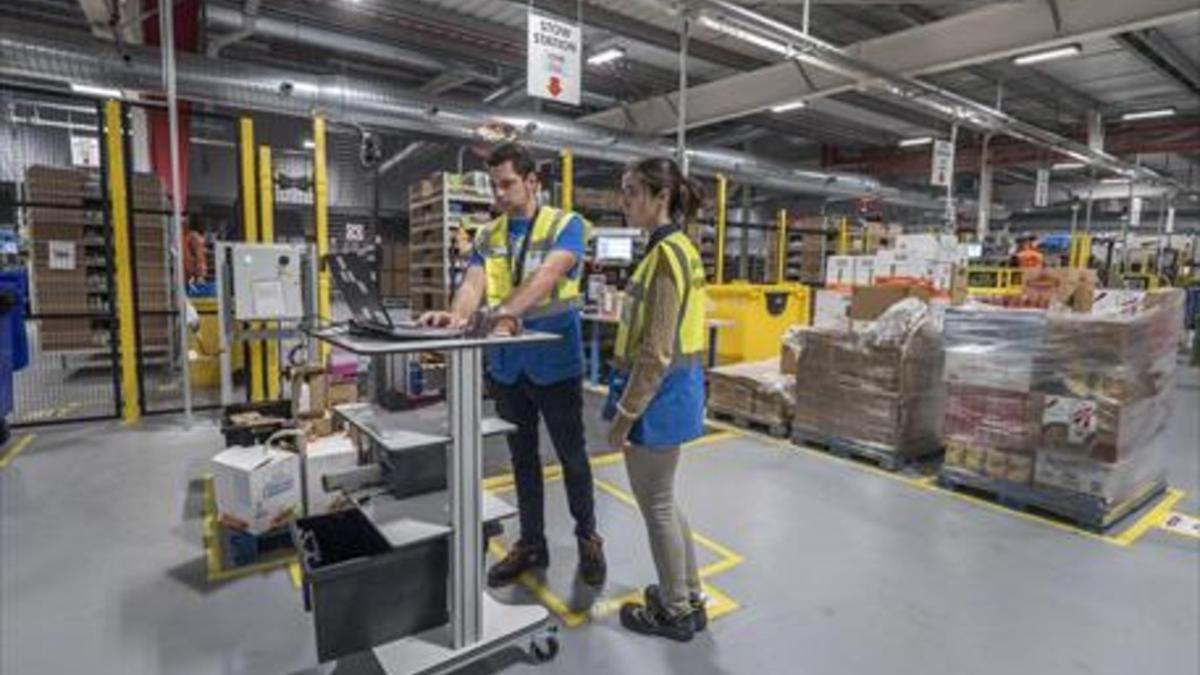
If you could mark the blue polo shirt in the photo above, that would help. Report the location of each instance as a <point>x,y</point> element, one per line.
<point>552,362</point>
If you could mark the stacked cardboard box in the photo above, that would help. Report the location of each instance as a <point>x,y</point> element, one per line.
<point>1070,402</point>
<point>876,386</point>
<point>394,269</point>
<point>757,391</point>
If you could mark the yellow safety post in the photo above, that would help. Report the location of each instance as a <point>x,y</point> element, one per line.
<point>568,179</point>
<point>321,217</point>
<point>117,193</point>
<point>781,275</point>
<point>250,234</point>
<point>722,186</point>
<point>843,245</point>
<point>266,210</point>
<point>1085,251</point>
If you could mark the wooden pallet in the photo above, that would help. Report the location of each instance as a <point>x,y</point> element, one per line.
<point>771,427</point>
<point>1086,512</point>
<point>888,460</point>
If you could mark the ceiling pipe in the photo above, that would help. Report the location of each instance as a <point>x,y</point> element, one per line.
<point>29,51</point>
<point>223,18</point>
<point>243,24</point>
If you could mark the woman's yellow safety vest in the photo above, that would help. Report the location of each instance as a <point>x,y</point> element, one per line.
<point>501,263</point>
<point>687,268</point>
<point>676,413</point>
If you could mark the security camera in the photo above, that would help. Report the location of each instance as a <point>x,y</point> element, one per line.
<point>286,88</point>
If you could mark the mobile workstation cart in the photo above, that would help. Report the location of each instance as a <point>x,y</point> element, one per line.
<point>479,626</point>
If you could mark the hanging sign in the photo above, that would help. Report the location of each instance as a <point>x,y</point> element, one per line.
<point>1135,212</point>
<point>1041,194</point>
<point>85,151</point>
<point>943,163</point>
<point>554,61</point>
<point>1170,225</point>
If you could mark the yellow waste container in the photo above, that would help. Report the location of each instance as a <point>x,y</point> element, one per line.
<point>758,314</point>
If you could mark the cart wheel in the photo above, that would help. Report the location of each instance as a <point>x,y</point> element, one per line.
<point>544,648</point>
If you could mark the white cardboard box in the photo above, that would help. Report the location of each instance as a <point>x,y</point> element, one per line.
<point>830,311</point>
<point>839,269</point>
<point>942,275</point>
<point>324,456</point>
<point>864,270</point>
<point>257,488</point>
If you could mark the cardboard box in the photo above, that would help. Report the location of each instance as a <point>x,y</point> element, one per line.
<point>868,303</point>
<point>342,392</point>
<point>258,488</point>
<point>831,309</point>
<point>325,456</point>
<point>991,418</point>
<point>755,390</point>
<point>1055,287</point>
<point>839,270</point>
<point>310,392</point>
<point>1111,482</point>
<point>993,348</point>
<point>864,270</point>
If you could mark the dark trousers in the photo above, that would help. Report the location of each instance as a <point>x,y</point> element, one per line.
<point>561,406</point>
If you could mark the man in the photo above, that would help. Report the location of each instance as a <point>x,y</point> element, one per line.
<point>195,257</point>
<point>1028,256</point>
<point>526,265</point>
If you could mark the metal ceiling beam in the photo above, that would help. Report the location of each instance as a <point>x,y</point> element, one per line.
<point>1161,54</point>
<point>986,34</point>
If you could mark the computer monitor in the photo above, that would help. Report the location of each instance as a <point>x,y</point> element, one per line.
<point>614,249</point>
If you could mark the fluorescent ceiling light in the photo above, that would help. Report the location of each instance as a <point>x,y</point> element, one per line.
<point>1067,166</point>
<point>606,56</point>
<point>789,106</point>
<point>89,90</point>
<point>913,142</point>
<point>1115,181</point>
<point>1047,55</point>
<point>1147,114</point>
<point>309,144</point>
<point>745,35</point>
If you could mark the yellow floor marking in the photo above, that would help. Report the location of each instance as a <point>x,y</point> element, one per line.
<point>17,448</point>
<point>1125,538</point>
<point>719,603</point>
<point>1153,518</point>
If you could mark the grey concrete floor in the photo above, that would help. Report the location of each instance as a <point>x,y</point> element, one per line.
<point>844,571</point>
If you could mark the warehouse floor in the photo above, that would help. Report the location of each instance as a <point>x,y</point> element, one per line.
<point>832,567</point>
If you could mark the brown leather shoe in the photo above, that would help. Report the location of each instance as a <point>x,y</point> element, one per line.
<point>522,558</point>
<point>592,568</point>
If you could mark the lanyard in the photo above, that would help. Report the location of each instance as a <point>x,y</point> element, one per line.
<point>519,271</point>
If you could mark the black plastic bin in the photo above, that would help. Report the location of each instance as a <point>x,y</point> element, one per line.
<point>255,434</point>
<point>362,591</point>
<point>414,471</point>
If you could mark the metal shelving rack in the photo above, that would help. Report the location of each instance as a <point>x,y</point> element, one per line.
<point>444,213</point>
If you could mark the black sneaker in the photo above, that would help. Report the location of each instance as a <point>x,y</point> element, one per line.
<point>521,558</point>
<point>592,568</point>
<point>653,599</point>
<point>648,621</point>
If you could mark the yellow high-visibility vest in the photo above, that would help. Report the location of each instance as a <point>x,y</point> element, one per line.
<point>501,261</point>
<point>687,268</point>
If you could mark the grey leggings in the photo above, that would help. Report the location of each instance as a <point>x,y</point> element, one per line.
<point>652,477</point>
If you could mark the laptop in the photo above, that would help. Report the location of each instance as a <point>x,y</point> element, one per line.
<point>352,274</point>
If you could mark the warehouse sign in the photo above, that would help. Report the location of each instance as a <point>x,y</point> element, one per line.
<point>943,163</point>
<point>1041,193</point>
<point>555,57</point>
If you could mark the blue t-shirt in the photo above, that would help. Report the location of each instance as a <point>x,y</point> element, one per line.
<point>555,361</point>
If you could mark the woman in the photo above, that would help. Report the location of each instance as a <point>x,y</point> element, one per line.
<point>656,397</point>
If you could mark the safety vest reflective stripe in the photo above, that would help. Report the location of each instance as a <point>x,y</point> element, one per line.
<point>687,270</point>
<point>499,259</point>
